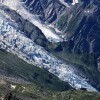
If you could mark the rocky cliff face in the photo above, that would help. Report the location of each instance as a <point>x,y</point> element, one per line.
<point>47,10</point>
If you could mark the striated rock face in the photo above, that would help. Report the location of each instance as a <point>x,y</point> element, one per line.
<point>46,10</point>
<point>86,37</point>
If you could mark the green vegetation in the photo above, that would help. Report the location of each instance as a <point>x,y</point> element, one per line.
<point>62,22</point>
<point>34,92</point>
<point>69,21</point>
<point>13,66</point>
<point>74,23</point>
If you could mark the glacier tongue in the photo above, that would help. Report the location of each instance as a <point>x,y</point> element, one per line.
<point>15,42</point>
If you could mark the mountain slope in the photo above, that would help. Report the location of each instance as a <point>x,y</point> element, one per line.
<point>12,67</point>
<point>78,23</point>
<point>70,28</point>
<point>14,41</point>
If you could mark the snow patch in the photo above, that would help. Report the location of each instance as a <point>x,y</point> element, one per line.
<point>54,28</point>
<point>64,3</point>
<point>74,2</point>
<point>12,86</point>
<point>23,89</point>
<point>1,98</point>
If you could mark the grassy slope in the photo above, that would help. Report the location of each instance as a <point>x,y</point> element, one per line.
<point>33,92</point>
<point>13,66</point>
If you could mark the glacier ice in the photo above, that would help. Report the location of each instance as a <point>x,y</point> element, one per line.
<point>15,42</point>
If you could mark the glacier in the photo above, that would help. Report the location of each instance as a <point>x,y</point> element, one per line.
<point>18,6</point>
<point>14,41</point>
